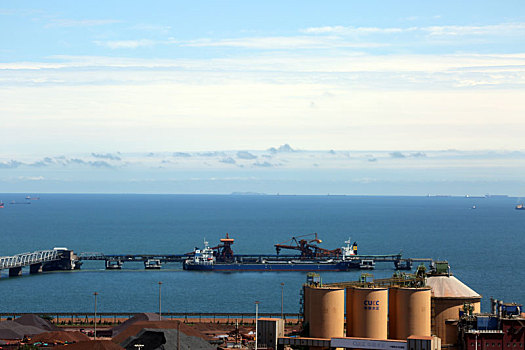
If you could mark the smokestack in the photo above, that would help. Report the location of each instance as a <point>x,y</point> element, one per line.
<point>493,307</point>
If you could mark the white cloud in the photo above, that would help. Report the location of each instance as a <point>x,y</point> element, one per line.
<point>248,114</point>
<point>284,42</point>
<point>506,29</point>
<point>125,44</point>
<point>353,30</point>
<point>31,178</point>
<point>81,23</point>
<point>163,29</point>
<point>245,155</point>
<point>404,159</point>
<point>451,64</point>
<point>362,100</point>
<point>256,43</point>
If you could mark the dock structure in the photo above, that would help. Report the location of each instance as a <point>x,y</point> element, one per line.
<point>133,257</point>
<point>307,256</point>
<point>38,261</point>
<point>65,259</point>
<point>115,261</point>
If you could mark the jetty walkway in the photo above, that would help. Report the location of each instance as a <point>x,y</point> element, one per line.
<point>115,261</point>
<point>38,261</point>
<point>65,259</point>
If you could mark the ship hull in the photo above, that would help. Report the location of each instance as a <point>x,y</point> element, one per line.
<point>275,267</point>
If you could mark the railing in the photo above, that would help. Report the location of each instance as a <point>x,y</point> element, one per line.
<point>25,259</point>
<point>91,256</point>
<point>132,257</point>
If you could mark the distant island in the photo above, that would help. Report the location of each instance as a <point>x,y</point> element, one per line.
<point>248,194</point>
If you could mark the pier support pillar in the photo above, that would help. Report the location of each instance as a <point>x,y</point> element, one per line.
<point>35,268</point>
<point>15,271</point>
<point>113,264</point>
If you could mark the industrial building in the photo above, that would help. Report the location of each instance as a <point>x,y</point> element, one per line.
<point>421,311</point>
<point>449,295</point>
<point>502,329</point>
<point>407,311</point>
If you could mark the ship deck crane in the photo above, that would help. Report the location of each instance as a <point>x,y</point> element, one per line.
<point>307,247</point>
<point>224,251</point>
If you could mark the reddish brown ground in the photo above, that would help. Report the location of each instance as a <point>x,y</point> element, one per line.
<point>207,329</point>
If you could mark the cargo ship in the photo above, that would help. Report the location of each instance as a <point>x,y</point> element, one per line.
<point>312,258</point>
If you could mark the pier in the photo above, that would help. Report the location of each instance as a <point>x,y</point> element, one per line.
<point>115,261</point>
<point>307,256</point>
<point>64,259</point>
<point>133,257</point>
<point>39,261</point>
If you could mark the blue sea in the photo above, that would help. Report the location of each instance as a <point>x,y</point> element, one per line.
<point>484,246</point>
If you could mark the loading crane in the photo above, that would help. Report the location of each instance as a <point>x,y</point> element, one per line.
<point>223,252</point>
<point>308,247</point>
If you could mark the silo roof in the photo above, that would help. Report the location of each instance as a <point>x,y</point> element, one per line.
<point>450,287</point>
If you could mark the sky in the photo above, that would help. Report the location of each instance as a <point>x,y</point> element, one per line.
<point>135,77</point>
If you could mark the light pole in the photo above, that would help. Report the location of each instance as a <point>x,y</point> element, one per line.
<point>95,320</point>
<point>160,302</point>
<point>256,318</point>
<point>282,301</point>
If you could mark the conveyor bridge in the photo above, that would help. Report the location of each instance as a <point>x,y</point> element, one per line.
<point>64,259</point>
<point>38,261</point>
<point>27,259</point>
<point>237,257</point>
<point>116,260</point>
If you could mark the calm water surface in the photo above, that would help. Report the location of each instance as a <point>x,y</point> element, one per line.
<point>484,246</point>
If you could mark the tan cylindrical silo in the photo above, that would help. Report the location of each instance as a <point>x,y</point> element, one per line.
<point>412,312</point>
<point>370,313</point>
<point>327,312</point>
<point>349,310</point>
<point>392,312</point>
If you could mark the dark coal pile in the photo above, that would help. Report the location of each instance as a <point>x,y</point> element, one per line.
<point>12,330</point>
<point>136,327</point>
<point>146,316</point>
<point>166,339</point>
<point>35,321</point>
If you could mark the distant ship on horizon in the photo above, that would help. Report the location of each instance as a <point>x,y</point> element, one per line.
<point>29,198</point>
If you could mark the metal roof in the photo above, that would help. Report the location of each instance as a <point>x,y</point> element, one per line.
<point>450,287</point>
